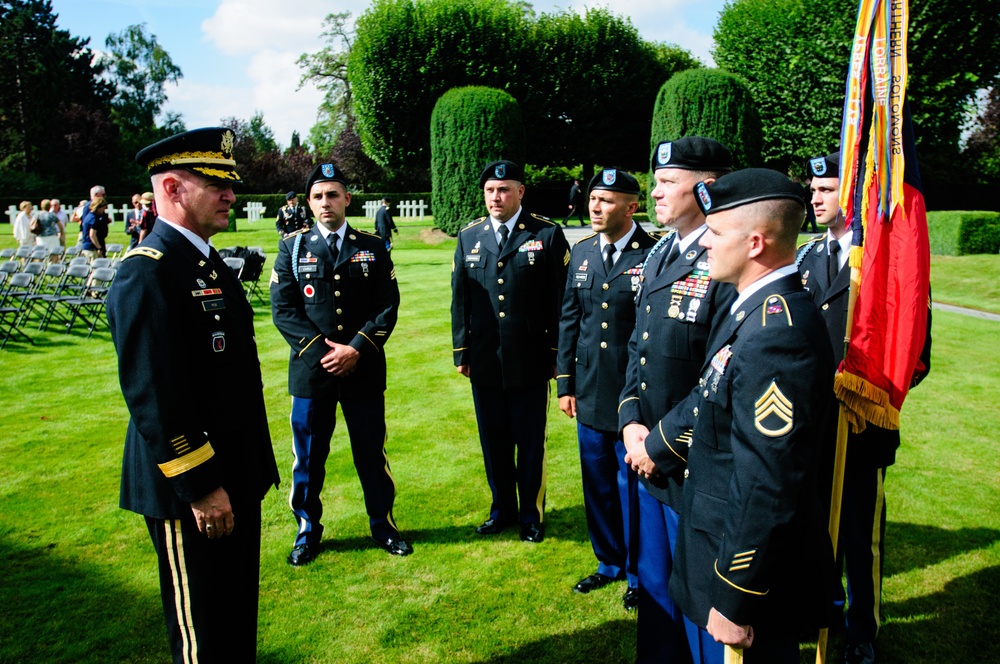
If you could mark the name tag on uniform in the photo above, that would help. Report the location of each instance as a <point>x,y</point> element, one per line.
<point>213,305</point>
<point>308,268</point>
<point>472,258</point>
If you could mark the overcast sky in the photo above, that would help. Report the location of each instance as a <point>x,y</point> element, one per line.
<point>238,56</point>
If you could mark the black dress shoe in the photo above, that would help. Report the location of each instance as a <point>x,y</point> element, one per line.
<point>860,653</point>
<point>532,532</point>
<point>630,600</point>
<point>395,547</point>
<point>303,554</point>
<point>592,582</point>
<point>492,527</point>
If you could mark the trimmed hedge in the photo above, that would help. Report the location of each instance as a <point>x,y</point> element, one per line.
<point>959,233</point>
<point>711,103</point>
<point>470,127</point>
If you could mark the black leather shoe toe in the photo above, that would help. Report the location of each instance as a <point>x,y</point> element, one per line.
<point>630,600</point>
<point>303,554</point>
<point>592,582</point>
<point>492,527</point>
<point>532,532</point>
<point>395,547</point>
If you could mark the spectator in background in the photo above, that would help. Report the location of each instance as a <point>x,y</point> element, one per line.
<point>575,203</point>
<point>132,219</point>
<point>77,218</point>
<point>95,229</point>
<point>55,207</point>
<point>22,222</point>
<point>51,232</point>
<point>148,215</point>
<point>384,225</point>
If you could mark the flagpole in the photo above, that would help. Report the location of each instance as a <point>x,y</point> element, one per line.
<point>732,655</point>
<point>839,459</point>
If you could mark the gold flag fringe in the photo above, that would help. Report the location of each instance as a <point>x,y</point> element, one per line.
<point>864,402</point>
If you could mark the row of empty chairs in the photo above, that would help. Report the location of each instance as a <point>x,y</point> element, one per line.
<point>60,292</point>
<point>26,255</point>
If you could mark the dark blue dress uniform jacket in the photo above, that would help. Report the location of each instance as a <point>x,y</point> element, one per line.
<point>753,542</point>
<point>505,305</point>
<point>598,316</point>
<point>191,379</point>
<point>675,311</point>
<point>354,302</point>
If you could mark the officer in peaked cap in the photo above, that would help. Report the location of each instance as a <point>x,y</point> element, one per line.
<point>598,316</point>
<point>753,556</point>
<point>291,216</point>
<point>823,264</point>
<point>507,286</point>
<point>196,468</point>
<point>676,307</point>
<point>334,297</point>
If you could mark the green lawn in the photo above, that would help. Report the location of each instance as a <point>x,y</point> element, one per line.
<point>73,565</point>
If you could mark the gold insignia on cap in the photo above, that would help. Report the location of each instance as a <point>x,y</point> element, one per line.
<point>227,142</point>
<point>773,404</point>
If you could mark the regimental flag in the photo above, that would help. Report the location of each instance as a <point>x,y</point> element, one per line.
<point>883,203</point>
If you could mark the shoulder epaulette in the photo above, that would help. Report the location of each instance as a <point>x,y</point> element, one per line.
<point>545,219</point>
<point>366,233</point>
<point>775,305</point>
<point>144,251</point>
<point>475,223</point>
<point>665,237</point>
<point>587,237</point>
<point>296,233</point>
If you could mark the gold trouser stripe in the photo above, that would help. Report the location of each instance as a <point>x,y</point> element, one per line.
<point>876,546</point>
<point>540,498</point>
<point>388,471</point>
<point>182,595</point>
<point>188,461</point>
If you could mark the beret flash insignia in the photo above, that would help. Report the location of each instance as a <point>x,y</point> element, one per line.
<point>609,177</point>
<point>500,171</point>
<point>663,154</point>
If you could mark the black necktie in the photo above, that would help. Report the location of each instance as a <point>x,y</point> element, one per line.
<point>833,261</point>
<point>609,259</point>
<point>675,251</point>
<point>334,251</point>
<point>504,232</point>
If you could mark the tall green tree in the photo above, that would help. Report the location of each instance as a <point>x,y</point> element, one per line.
<point>794,55</point>
<point>139,68</point>
<point>48,89</point>
<point>327,69</point>
<point>407,53</point>
<point>470,127</point>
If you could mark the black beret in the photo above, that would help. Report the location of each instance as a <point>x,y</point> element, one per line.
<point>290,195</point>
<point>693,153</point>
<point>501,170</point>
<point>825,167</point>
<point>324,173</point>
<point>206,152</point>
<point>613,179</point>
<point>749,185</point>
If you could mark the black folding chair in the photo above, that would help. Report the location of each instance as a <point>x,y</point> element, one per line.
<point>253,265</point>
<point>11,305</point>
<point>10,267</point>
<point>73,286</point>
<point>89,307</point>
<point>47,285</point>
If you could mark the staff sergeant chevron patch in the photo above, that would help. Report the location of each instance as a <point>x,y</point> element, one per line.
<point>773,414</point>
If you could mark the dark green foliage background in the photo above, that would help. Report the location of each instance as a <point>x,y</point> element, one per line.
<point>711,103</point>
<point>470,127</point>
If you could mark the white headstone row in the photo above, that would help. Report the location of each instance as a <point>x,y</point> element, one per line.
<point>112,211</point>
<point>255,211</point>
<point>405,209</point>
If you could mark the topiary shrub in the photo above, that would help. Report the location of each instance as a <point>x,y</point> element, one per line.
<point>470,127</point>
<point>959,233</point>
<point>712,103</point>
